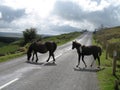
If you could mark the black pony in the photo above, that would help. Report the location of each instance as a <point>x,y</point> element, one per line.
<point>87,50</point>
<point>41,48</point>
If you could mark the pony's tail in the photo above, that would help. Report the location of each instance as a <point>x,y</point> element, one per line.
<point>55,46</point>
<point>100,51</point>
<point>29,51</point>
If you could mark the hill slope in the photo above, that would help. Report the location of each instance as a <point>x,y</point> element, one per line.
<point>109,38</point>
<point>15,47</point>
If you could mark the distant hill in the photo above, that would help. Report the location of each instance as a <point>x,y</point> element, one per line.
<point>6,37</point>
<point>7,34</point>
<point>18,35</point>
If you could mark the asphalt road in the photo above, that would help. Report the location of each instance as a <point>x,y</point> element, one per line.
<point>17,74</point>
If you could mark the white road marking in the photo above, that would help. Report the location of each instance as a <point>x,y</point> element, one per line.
<point>26,69</point>
<point>5,85</point>
<point>58,55</point>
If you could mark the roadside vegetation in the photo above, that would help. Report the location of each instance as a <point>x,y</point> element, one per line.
<point>16,48</point>
<point>109,40</point>
<point>63,38</point>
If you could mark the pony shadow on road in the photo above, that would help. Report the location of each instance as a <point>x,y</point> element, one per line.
<point>43,63</point>
<point>88,69</point>
<point>50,64</point>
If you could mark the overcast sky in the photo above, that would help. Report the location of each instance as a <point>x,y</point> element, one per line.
<point>58,16</point>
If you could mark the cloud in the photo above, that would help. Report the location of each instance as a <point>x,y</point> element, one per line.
<point>59,16</point>
<point>108,17</point>
<point>94,13</point>
<point>68,10</point>
<point>9,14</point>
<point>0,15</point>
<point>56,30</point>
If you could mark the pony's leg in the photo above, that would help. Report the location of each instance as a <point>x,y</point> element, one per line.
<point>33,56</point>
<point>49,57</point>
<point>36,57</point>
<point>78,60</point>
<point>93,60</point>
<point>98,61</point>
<point>84,61</point>
<point>53,58</point>
<point>92,63</point>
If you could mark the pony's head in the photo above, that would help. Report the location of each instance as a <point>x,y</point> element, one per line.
<point>75,44</point>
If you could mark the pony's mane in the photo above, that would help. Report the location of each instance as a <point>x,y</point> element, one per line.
<point>77,43</point>
<point>84,46</point>
<point>39,42</point>
<point>42,42</point>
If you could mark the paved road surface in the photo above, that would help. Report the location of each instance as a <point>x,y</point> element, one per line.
<point>19,75</point>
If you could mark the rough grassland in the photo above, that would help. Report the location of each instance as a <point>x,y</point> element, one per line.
<point>105,77</point>
<point>14,50</point>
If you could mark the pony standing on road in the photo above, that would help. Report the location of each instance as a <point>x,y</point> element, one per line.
<point>41,48</point>
<point>87,50</point>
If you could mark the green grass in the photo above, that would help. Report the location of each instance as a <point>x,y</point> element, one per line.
<point>105,77</point>
<point>2,44</point>
<point>10,50</point>
<point>11,56</point>
<point>109,37</point>
<point>114,40</point>
<point>63,38</point>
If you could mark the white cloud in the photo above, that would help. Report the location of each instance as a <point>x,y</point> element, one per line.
<point>42,7</point>
<point>114,2</point>
<point>25,22</point>
<point>0,15</point>
<point>92,5</point>
<point>54,16</point>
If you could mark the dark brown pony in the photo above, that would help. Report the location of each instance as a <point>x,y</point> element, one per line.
<point>41,48</point>
<point>87,50</point>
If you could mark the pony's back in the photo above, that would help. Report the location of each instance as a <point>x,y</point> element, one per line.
<point>51,46</point>
<point>55,46</point>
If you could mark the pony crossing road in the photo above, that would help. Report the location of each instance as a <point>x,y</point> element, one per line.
<point>87,50</point>
<point>41,48</point>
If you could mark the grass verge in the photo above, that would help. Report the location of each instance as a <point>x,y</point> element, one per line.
<point>11,56</point>
<point>59,39</point>
<point>63,38</point>
<point>105,77</point>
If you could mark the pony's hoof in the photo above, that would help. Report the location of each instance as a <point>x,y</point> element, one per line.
<point>85,67</point>
<point>36,60</point>
<point>54,62</point>
<point>47,60</point>
<point>76,65</point>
